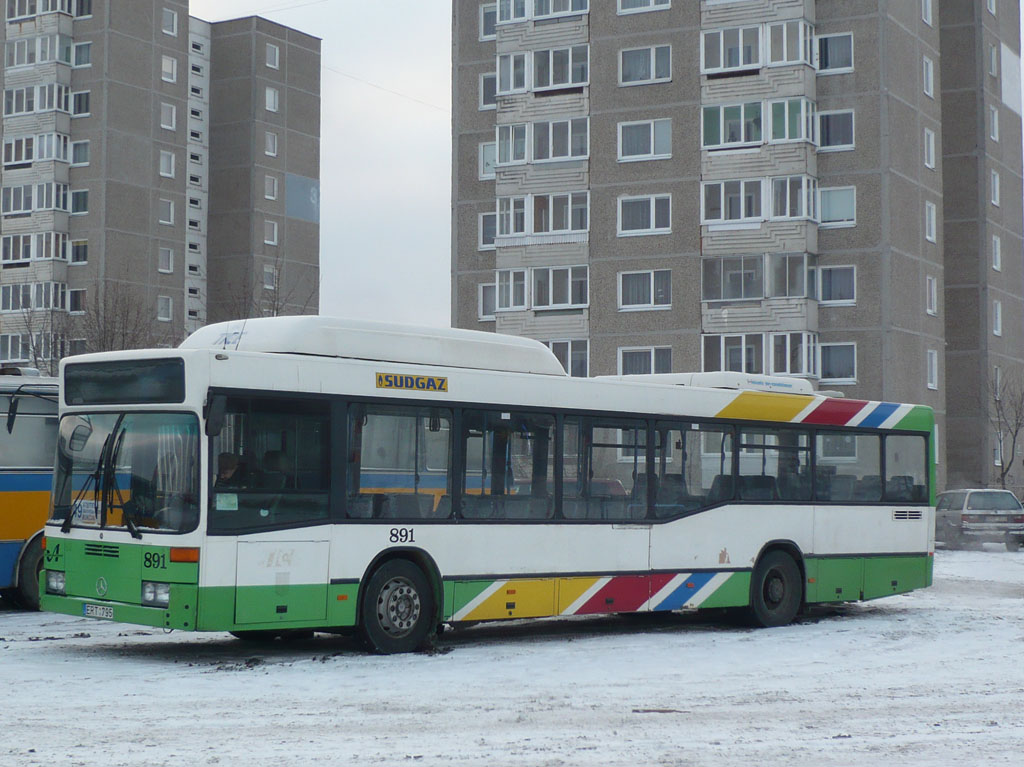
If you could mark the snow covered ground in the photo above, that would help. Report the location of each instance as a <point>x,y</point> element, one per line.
<point>931,678</point>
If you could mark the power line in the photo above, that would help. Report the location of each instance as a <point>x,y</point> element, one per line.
<point>288,7</point>
<point>386,90</point>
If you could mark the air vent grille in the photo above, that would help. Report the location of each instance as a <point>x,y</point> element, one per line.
<point>907,514</point>
<point>102,550</point>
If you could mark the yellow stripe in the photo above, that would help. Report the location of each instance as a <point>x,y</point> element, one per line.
<point>22,514</point>
<point>765,406</point>
<point>518,599</point>
<point>571,589</point>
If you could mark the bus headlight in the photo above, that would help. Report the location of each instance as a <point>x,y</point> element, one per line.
<point>156,594</point>
<point>55,582</point>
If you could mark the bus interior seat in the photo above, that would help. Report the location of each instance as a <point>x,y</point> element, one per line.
<point>721,488</point>
<point>757,487</point>
<point>842,487</point>
<point>900,488</point>
<point>869,488</point>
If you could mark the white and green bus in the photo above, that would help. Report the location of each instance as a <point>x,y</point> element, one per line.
<point>302,474</point>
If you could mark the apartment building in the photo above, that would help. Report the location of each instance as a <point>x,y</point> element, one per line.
<point>137,163</point>
<point>749,185</point>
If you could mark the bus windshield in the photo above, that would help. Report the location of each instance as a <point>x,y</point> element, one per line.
<point>134,471</point>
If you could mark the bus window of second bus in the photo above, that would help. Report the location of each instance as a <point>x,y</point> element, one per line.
<point>693,467</point>
<point>604,469</point>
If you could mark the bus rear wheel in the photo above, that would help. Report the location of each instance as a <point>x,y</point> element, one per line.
<point>775,590</point>
<point>397,610</point>
<point>28,575</point>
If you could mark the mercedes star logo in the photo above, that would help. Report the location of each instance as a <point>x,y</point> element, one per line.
<point>101,586</point>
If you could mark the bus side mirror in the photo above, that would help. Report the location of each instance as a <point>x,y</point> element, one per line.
<point>214,411</point>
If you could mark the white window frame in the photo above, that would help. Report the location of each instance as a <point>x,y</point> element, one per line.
<point>71,154</point>
<point>273,99</point>
<point>931,295</point>
<point>73,103</point>
<point>506,67</point>
<point>173,122</point>
<point>164,308</point>
<point>654,229</point>
<point>510,277</point>
<point>653,304</point>
<point>995,186</point>
<point>721,338</point>
<point>569,276</point>
<point>160,267</point>
<point>168,206</point>
<point>551,127</point>
<point>482,173</point>
<point>929,148</point>
<point>269,277</point>
<point>807,120</point>
<point>509,209</point>
<point>652,351</point>
<point>647,7</point>
<point>806,49</point>
<point>652,52</point>
<point>270,232</point>
<point>273,59</point>
<point>721,65</point>
<point>821,369</point>
<point>653,132</point>
<point>931,221</point>
<point>839,224</point>
<point>807,198</point>
<point>928,77</point>
<point>168,170</point>
<point>997,317</point>
<point>168,14</point>
<point>991,4</point>
<point>744,219</point>
<point>993,60</point>
<point>571,68</point>
<point>484,9</point>
<point>551,200</point>
<point>168,69</point>
<point>80,293</point>
<point>997,253</point>
<point>79,194</point>
<point>480,244</point>
<point>558,344</point>
<point>822,147</point>
<point>722,144</point>
<point>993,123</point>
<point>506,135</point>
<point>932,364</point>
<point>808,362</point>
<point>821,283</point>
<point>926,12</point>
<point>481,289</point>
<point>270,144</point>
<point>835,70</point>
<point>482,105</point>
<point>86,46</point>
<point>270,186</point>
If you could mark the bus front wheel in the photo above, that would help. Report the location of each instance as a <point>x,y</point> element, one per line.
<point>397,608</point>
<point>28,575</point>
<point>775,590</point>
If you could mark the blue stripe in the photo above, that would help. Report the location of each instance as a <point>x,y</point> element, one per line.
<point>877,416</point>
<point>28,482</point>
<point>9,552</point>
<point>685,592</point>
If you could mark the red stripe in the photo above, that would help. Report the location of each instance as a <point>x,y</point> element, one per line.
<point>835,412</point>
<point>625,593</point>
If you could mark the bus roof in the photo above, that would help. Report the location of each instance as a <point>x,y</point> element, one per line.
<point>378,341</point>
<point>725,380</point>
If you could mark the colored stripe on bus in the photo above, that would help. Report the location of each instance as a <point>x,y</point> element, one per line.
<point>26,483</point>
<point>835,412</point>
<point>764,406</point>
<point>878,416</point>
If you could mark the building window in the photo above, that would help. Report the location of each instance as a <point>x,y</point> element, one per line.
<point>197,47</point>
<point>76,301</point>
<point>928,77</point>
<point>19,151</point>
<point>997,253</point>
<point>512,73</point>
<point>930,221</point>
<point>561,139</point>
<point>997,317</point>
<point>991,4</point>
<point>488,20</point>
<point>270,233</point>
<point>164,307</point>
<point>926,12</point>
<point>168,69</point>
<point>511,215</point>
<point>995,188</point>
<point>79,152</point>
<point>20,9</point>
<point>511,144</point>
<point>647,140</point>
<point>651,214</point>
<point>933,369</point>
<point>82,56</point>
<point>929,148</point>
<point>80,104</point>
<point>793,120</point>
<point>839,363</point>
<point>269,277</point>
<point>83,8</point>
<point>487,159</point>
<point>561,67</point>
<point>166,163</point>
<point>563,287</point>
<point>270,187</point>
<point>838,285</point>
<point>791,42</point>
<point>835,53</point>
<point>794,354</point>
<point>169,22</point>
<point>165,261</point>
<point>573,354</point>
<point>931,295</point>
<point>794,197</point>
<point>168,116</point>
<point>79,202</point>
<point>640,6</point>
<point>488,91</point>
<point>640,66</point>
<point>486,301</point>
<point>645,360</point>
<point>273,99</point>
<point>195,202</point>
<point>651,289</point>
<point>725,50</point>
<point>166,211</point>
<point>732,126</point>
<point>742,353</point>
<point>561,213</point>
<point>270,144</point>
<point>511,289</point>
<point>488,223</point>
<point>838,206</point>
<point>732,201</point>
<point>79,251</point>
<point>993,61</point>
<point>835,130</point>
<point>736,278</point>
<point>993,123</point>
<point>273,56</point>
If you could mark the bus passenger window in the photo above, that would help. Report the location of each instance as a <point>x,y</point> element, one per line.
<point>398,463</point>
<point>775,465</point>
<point>693,467</point>
<point>604,469</point>
<point>847,467</point>
<point>509,467</point>
<point>906,468</point>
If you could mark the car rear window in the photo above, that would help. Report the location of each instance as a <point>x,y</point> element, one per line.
<point>951,501</point>
<point>994,500</point>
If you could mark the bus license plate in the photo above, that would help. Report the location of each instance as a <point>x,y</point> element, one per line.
<point>99,611</point>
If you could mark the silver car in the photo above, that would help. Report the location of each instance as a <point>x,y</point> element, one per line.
<point>978,516</point>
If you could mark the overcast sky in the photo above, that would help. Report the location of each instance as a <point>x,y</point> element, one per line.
<point>385,164</point>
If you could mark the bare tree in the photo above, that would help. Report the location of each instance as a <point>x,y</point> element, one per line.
<point>47,337</point>
<point>1007,416</point>
<point>271,289</point>
<point>122,317</point>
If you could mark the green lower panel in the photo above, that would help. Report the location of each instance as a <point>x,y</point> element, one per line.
<point>224,608</point>
<point>180,615</point>
<point>846,579</point>
<point>885,576</point>
<point>735,592</point>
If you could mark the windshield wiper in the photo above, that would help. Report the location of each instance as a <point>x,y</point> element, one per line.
<point>110,483</point>
<point>95,475</point>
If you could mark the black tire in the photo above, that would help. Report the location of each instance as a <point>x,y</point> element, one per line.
<point>776,590</point>
<point>396,608</point>
<point>28,575</point>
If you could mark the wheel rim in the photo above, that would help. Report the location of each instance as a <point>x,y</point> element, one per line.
<point>398,607</point>
<point>774,589</point>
